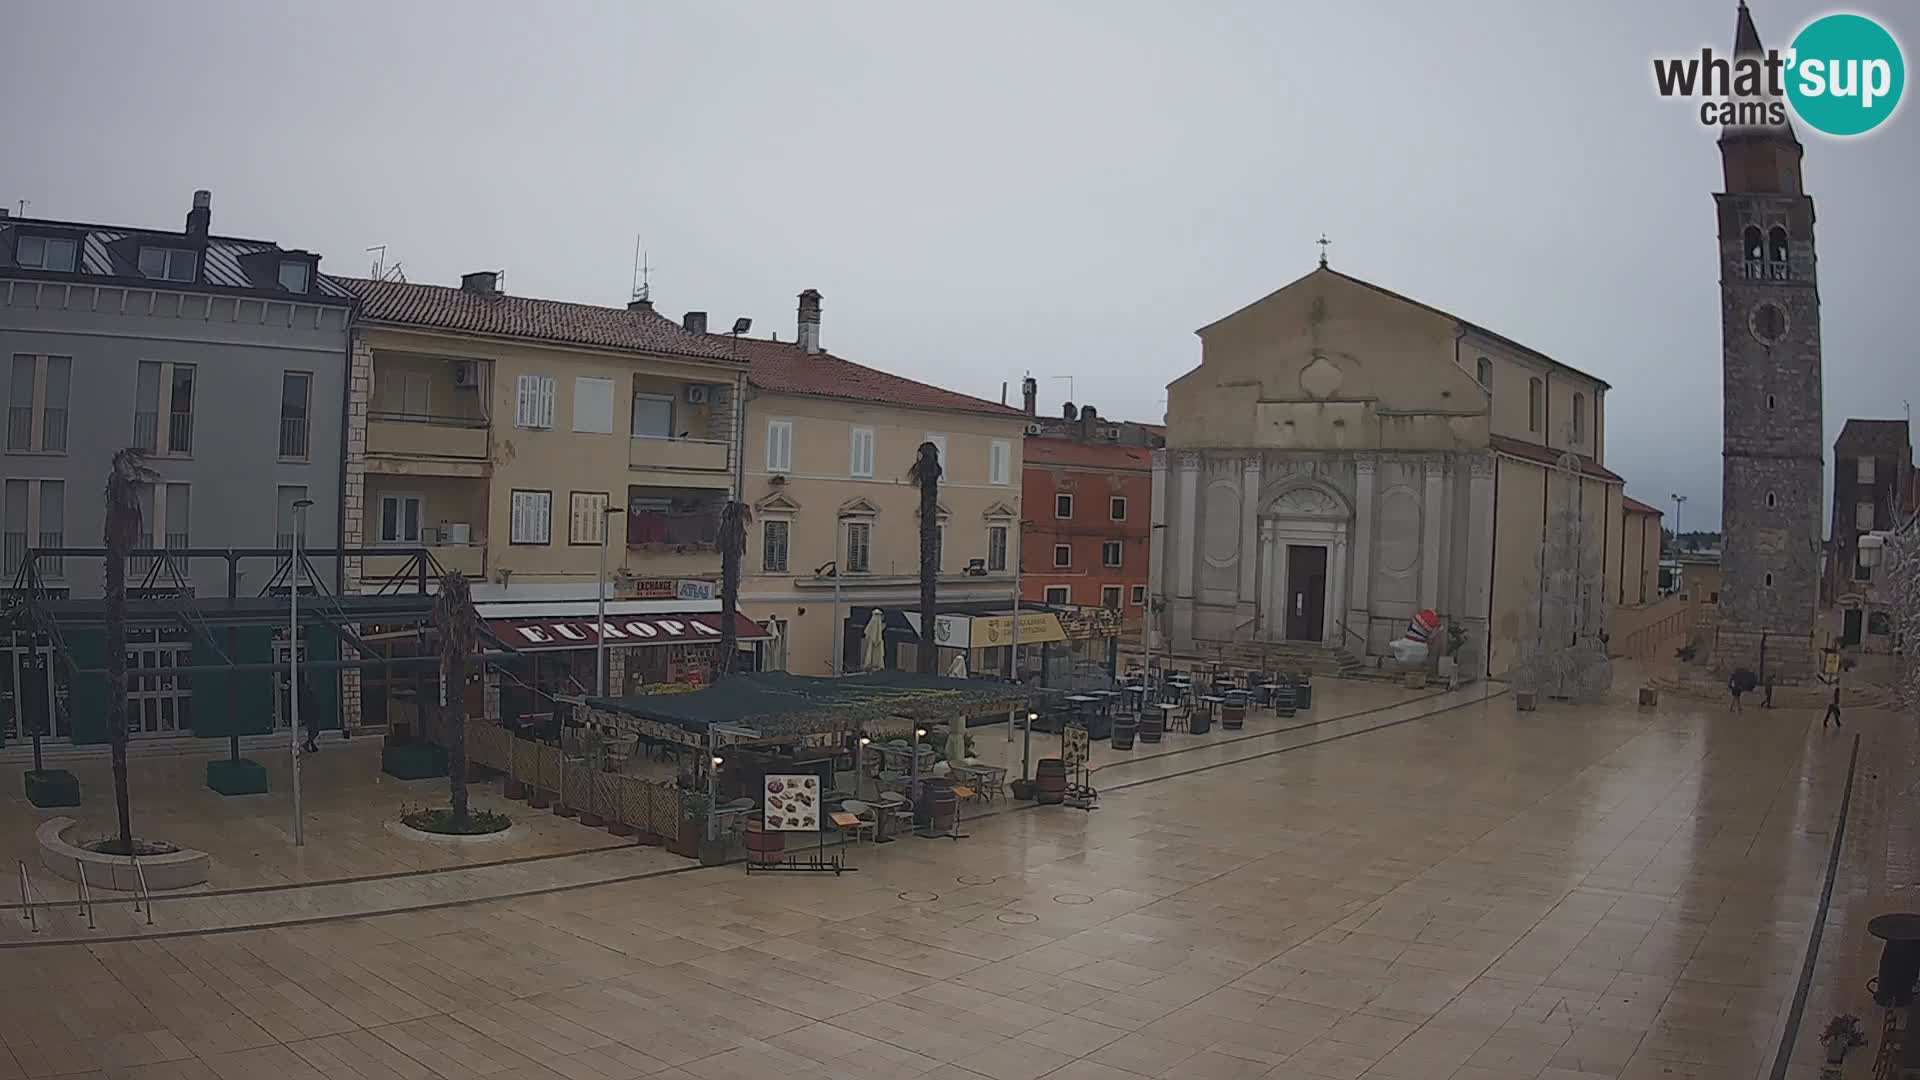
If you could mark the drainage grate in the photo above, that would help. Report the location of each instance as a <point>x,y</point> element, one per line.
<point>919,897</point>
<point>1018,917</point>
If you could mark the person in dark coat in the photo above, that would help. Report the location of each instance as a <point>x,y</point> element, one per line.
<point>1739,683</point>
<point>1833,706</point>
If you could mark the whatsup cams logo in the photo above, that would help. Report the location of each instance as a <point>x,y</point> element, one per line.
<point>1843,75</point>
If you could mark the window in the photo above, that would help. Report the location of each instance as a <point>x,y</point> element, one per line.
<point>532,517</point>
<point>166,264</point>
<point>400,517</point>
<point>1579,419</point>
<point>1751,244</point>
<point>1769,402</point>
<point>1769,582</point>
<point>773,545</point>
<point>779,446</point>
<point>1777,244</point>
<point>180,411</point>
<point>295,389</point>
<point>939,442</point>
<point>44,253</point>
<point>1713,597</point>
<point>1062,555</point>
<point>652,416</point>
<point>1863,472</point>
<point>1063,507</point>
<point>293,275</point>
<point>20,404</point>
<point>533,401</point>
<point>1117,508</point>
<point>996,548</point>
<point>587,517</point>
<point>53,513</point>
<point>1483,371</point>
<point>939,547</point>
<point>179,517</point>
<point>859,546</point>
<point>860,453</point>
<point>13,528</point>
<point>1770,500</point>
<point>1862,516</point>
<point>1861,571</point>
<point>53,404</point>
<point>1110,597</point>
<point>146,407</point>
<point>1139,596</point>
<point>287,516</point>
<point>593,406</point>
<point>1059,594</point>
<point>1110,553</point>
<point>1879,622</point>
<point>1535,392</point>
<point>999,461</point>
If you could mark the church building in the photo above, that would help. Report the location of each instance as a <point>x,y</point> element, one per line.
<point>1345,456</point>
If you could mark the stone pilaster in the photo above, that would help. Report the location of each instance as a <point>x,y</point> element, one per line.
<point>353,498</point>
<point>1360,555</point>
<point>1185,526</point>
<point>1159,551</point>
<point>1480,534</point>
<point>1248,605</point>
<point>1432,515</point>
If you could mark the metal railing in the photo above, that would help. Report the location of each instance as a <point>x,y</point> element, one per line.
<point>53,429</point>
<point>180,433</point>
<point>403,417</point>
<point>13,549</point>
<point>26,896</point>
<point>142,899</point>
<point>146,430</point>
<point>20,427</point>
<point>53,565</point>
<point>86,893</point>
<point>293,437</point>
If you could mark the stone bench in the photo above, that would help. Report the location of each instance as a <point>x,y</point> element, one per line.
<point>174,870</point>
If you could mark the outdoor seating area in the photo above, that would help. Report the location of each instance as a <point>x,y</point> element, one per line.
<point>1149,704</point>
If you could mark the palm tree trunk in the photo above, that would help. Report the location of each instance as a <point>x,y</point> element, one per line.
<point>116,631</point>
<point>929,567</point>
<point>453,667</point>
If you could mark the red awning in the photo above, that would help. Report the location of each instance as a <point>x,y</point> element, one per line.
<point>621,631</point>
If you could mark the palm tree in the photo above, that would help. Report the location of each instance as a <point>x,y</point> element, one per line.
<point>124,530</point>
<point>926,476</point>
<point>734,520</point>
<point>459,628</point>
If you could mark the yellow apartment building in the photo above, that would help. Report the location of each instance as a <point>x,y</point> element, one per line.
<point>828,447</point>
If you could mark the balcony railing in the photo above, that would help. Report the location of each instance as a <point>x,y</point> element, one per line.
<point>146,430</point>
<point>692,528</point>
<point>20,427</point>
<point>700,455</point>
<point>53,429</point>
<point>52,566</point>
<point>13,549</point>
<point>408,434</point>
<point>180,433</point>
<point>293,437</point>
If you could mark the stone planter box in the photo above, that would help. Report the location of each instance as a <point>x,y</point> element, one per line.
<point>175,870</point>
<point>1415,680</point>
<point>1526,700</point>
<point>1649,695</point>
<point>51,787</point>
<point>413,761</point>
<point>401,828</point>
<point>241,776</point>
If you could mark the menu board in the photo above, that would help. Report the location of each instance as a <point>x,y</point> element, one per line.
<point>1073,746</point>
<point>792,803</point>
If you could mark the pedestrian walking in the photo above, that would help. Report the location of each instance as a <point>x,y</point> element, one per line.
<point>1739,683</point>
<point>1833,706</point>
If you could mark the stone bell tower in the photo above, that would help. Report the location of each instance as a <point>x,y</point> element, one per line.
<point>1772,426</point>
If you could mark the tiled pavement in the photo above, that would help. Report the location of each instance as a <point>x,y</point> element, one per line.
<point>1479,895</point>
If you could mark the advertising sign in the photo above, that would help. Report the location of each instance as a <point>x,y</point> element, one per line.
<point>792,803</point>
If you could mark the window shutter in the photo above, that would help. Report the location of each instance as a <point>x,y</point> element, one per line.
<point>545,419</point>
<point>523,401</point>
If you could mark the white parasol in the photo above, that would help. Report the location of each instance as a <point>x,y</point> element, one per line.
<point>874,643</point>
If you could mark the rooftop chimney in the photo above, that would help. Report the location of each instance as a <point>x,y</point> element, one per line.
<point>809,321</point>
<point>1088,418</point>
<point>1068,412</point>
<point>200,218</point>
<point>695,322</point>
<point>640,303</point>
<point>484,282</point>
<point>1030,394</point>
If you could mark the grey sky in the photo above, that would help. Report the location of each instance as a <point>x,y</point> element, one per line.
<point>983,190</point>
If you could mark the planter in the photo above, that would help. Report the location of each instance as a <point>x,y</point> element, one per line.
<point>413,761</point>
<point>1022,789</point>
<point>1050,782</point>
<point>539,799</point>
<point>1526,700</point>
<point>593,821</point>
<point>1415,680</point>
<point>764,846</point>
<point>687,844</point>
<point>237,777</point>
<point>712,852</point>
<point>1649,695</point>
<point>514,789</point>
<point>52,787</point>
<point>939,808</point>
<point>1303,694</point>
<point>1200,722</point>
<point>177,869</point>
<point>1123,731</point>
<point>1836,1053</point>
<point>1233,717</point>
<point>563,810</point>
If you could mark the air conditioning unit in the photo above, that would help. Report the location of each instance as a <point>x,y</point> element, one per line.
<point>1033,429</point>
<point>466,374</point>
<point>697,393</point>
<point>1113,434</point>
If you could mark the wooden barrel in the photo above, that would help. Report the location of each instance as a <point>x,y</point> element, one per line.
<point>1303,693</point>
<point>1123,728</point>
<point>1050,782</point>
<point>1233,717</point>
<point>1284,701</point>
<point>938,806</point>
<point>1201,720</point>
<point>765,847</point>
<point>1153,726</point>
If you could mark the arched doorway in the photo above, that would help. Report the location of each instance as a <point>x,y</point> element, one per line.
<point>1303,564</point>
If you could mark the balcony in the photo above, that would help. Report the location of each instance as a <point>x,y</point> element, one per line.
<point>435,445</point>
<point>679,456</point>
<point>19,427</point>
<point>673,528</point>
<point>468,560</point>
<point>293,437</point>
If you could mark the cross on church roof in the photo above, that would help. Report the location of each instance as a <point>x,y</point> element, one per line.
<point>1324,244</point>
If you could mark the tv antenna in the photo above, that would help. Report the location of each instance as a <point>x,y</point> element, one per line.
<point>380,270</point>
<point>642,272</point>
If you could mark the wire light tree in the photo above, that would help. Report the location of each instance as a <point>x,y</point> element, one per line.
<point>925,474</point>
<point>1565,655</point>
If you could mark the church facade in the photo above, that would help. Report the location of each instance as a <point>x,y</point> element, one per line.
<point>1345,456</point>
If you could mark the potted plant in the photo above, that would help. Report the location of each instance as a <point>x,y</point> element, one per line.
<point>1450,657</point>
<point>1842,1034</point>
<point>691,843</point>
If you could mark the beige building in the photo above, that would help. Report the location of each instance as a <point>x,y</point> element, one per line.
<point>828,447</point>
<point>1344,456</point>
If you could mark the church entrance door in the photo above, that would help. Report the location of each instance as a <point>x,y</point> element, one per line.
<point>1306,591</point>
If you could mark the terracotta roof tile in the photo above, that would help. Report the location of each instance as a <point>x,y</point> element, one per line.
<point>441,307</point>
<point>1634,505</point>
<point>1072,453</point>
<point>782,367</point>
<point>1549,457</point>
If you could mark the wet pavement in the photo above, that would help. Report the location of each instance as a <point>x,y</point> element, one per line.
<point>1459,892</point>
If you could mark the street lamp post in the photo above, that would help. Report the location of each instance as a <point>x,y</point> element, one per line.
<point>293,666</point>
<point>1678,501</point>
<point>600,607</point>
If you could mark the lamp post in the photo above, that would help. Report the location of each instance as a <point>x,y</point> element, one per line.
<point>600,606</point>
<point>293,666</point>
<point>713,788</point>
<point>1678,501</point>
<point>860,765</point>
<point>839,640</point>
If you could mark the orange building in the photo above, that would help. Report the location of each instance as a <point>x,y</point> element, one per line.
<point>1088,529</point>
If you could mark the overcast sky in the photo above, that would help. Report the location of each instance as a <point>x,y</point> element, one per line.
<point>982,190</point>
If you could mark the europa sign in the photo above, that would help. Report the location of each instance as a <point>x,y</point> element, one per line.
<point>570,633</point>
